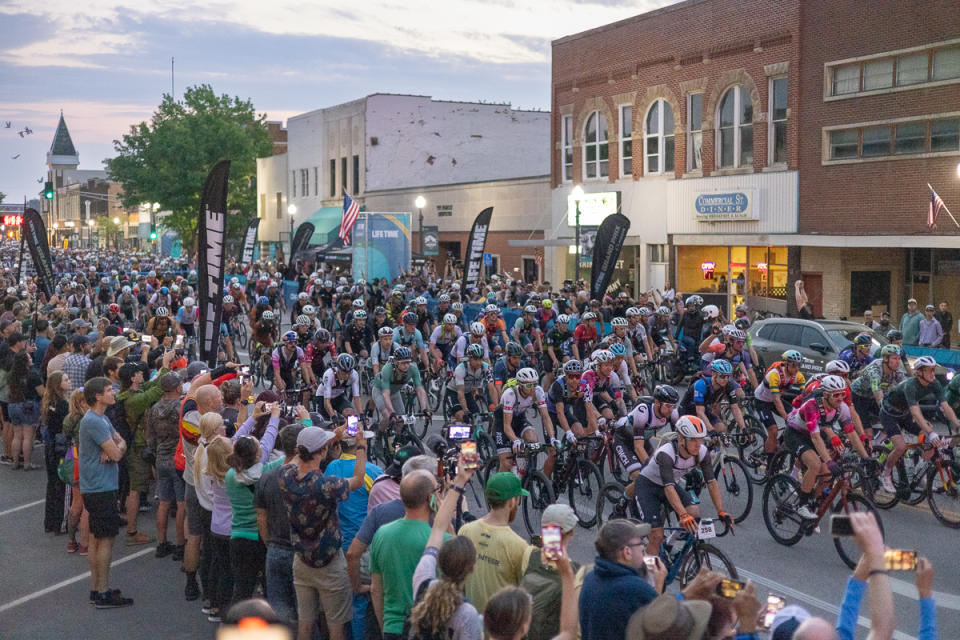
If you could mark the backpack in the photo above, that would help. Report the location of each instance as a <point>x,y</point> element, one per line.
<point>543,585</point>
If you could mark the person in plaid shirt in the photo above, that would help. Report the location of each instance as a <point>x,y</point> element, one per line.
<point>75,365</point>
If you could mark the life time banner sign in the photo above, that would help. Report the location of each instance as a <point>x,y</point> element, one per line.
<point>718,206</point>
<point>594,207</point>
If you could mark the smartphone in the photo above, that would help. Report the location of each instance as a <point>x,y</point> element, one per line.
<point>840,526</point>
<point>552,538</point>
<point>729,588</point>
<point>650,562</point>
<point>245,371</point>
<point>900,560</point>
<point>352,426</point>
<point>458,431</point>
<point>468,449</point>
<point>774,604</point>
<point>178,343</point>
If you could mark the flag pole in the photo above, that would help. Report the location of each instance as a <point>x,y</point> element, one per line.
<point>945,208</point>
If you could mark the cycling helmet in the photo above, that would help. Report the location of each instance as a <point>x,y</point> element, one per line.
<point>663,311</point>
<point>115,308</point>
<point>233,281</point>
<point>457,306</point>
<point>711,311</point>
<point>322,335</point>
<point>863,340</point>
<point>666,393</point>
<point>573,366</point>
<point>360,314</point>
<point>161,312</point>
<point>644,311</point>
<point>309,309</point>
<point>126,289</point>
<point>443,298</point>
<point>691,300</point>
<point>589,315</point>
<point>891,349</point>
<point>618,350</point>
<point>345,362</point>
<point>491,308</point>
<point>421,300</point>
<point>742,323</point>
<point>385,331</point>
<point>529,309</point>
<point>833,383</point>
<point>728,329</point>
<point>267,315</point>
<point>894,334</point>
<point>303,320</point>
<point>328,283</point>
<point>563,319</point>
<point>303,296</point>
<point>691,427</point>
<point>449,319</point>
<point>477,329</point>
<point>547,304</point>
<point>632,311</point>
<point>410,318</point>
<point>474,351</point>
<point>837,366</point>
<point>188,301</point>
<point>722,367</point>
<point>105,280</point>
<point>792,355</point>
<point>513,349</point>
<point>618,322</point>
<point>601,355</point>
<point>380,311</point>
<point>924,361</point>
<point>358,303</point>
<point>263,300</point>
<point>291,336</point>
<point>164,291</point>
<point>527,376</point>
<point>738,334</point>
<point>402,353</point>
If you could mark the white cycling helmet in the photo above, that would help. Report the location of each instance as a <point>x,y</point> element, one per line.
<point>126,289</point>
<point>228,299</point>
<point>162,312</point>
<point>478,329</point>
<point>602,355</point>
<point>589,315</point>
<point>449,319</point>
<point>309,309</point>
<point>837,366</point>
<point>303,320</point>
<point>420,300</point>
<point>563,319</point>
<point>728,329</point>
<point>924,361</point>
<point>691,427</point>
<point>384,332</point>
<point>188,302</point>
<point>833,383</point>
<point>358,303</point>
<point>529,309</point>
<point>303,296</point>
<point>632,311</point>
<point>267,315</point>
<point>527,376</point>
<point>711,311</point>
<point>618,322</point>
<point>491,308</point>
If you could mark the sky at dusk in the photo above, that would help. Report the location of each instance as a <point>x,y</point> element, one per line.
<point>106,63</point>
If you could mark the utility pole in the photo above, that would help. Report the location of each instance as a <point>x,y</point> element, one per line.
<point>172,94</point>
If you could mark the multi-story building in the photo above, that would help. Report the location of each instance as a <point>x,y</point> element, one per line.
<point>385,150</point>
<point>752,143</point>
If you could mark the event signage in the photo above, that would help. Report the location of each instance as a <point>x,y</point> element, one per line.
<point>35,234</point>
<point>473,265</point>
<point>431,240</point>
<point>249,241</point>
<point>610,238</point>
<point>211,226</point>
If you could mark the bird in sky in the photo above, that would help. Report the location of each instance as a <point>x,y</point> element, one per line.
<point>7,124</point>
<point>27,130</point>
<point>15,157</point>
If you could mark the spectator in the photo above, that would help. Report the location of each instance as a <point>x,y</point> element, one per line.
<point>943,315</point>
<point>161,431</point>
<point>869,321</point>
<point>77,516</point>
<point>931,333</point>
<point>387,486</point>
<point>53,410</point>
<point>509,612</point>
<point>668,618</point>
<point>501,553</point>
<point>25,389</point>
<point>910,324</point>
<point>213,458</point>
<point>75,365</point>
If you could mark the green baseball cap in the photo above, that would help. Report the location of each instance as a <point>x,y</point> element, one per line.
<point>503,486</point>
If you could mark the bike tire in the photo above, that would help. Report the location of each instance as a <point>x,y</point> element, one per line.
<point>489,468</point>
<point>705,555</point>
<point>676,371</point>
<point>870,486</point>
<point>485,446</point>
<point>541,496</point>
<point>380,449</point>
<point>409,437</point>
<point>781,463</point>
<point>583,487</point>
<point>736,487</point>
<point>607,498</point>
<point>910,489</point>
<point>750,445</point>
<point>943,495</point>
<point>846,545</point>
<point>780,502</point>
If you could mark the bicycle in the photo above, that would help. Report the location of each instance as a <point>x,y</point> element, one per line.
<point>422,418</point>
<point>239,331</point>
<point>261,366</point>
<point>604,452</point>
<point>397,434</point>
<point>684,564</point>
<point>580,478</point>
<point>532,479</point>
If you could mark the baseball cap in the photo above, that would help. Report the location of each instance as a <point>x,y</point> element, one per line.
<point>560,515</point>
<point>194,369</point>
<point>395,468</point>
<point>913,300</point>
<point>170,381</point>
<point>930,307</point>
<point>80,323</point>
<point>667,618</point>
<point>127,371</point>
<point>313,438</point>
<point>503,486</point>
<point>786,622</point>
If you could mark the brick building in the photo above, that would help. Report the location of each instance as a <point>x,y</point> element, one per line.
<point>710,123</point>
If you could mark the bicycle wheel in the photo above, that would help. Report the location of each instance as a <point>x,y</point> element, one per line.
<point>943,494</point>
<point>705,555</point>
<point>242,335</point>
<point>583,487</point>
<point>911,487</point>
<point>408,437</point>
<point>381,451</point>
<point>434,395</point>
<point>485,446</point>
<point>750,445</point>
<point>781,463</point>
<point>489,468</point>
<point>676,370</point>
<point>541,496</point>
<point>847,545</point>
<point>781,499</point>
<point>608,497</point>
<point>420,427</point>
<point>736,487</point>
<point>868,481</point>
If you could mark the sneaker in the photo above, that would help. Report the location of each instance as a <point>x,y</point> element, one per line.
<point>207,608</point>
<point>886,482</point>
<point>192,590</point>
<point>214,615</point>
<point>83,550</point>
<point>163,550</point>
<point>7,460</point>
<point>136,538</point>
<point>620,509</point>
<point>806,513</point>
<point>72,547</point>
<point>94,595</point>
<point>178,553</point>
<point>112,600</point>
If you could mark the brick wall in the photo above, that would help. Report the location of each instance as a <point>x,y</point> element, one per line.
<point>835,264</point>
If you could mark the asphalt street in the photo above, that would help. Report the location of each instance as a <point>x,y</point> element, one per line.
<point>44,590</point>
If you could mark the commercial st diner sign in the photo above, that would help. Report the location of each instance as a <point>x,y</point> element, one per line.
<point>728,205</point>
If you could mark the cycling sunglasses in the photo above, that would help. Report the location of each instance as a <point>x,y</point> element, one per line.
<point>573,375</point>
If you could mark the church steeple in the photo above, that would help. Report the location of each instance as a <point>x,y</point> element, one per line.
<point>62,152</point>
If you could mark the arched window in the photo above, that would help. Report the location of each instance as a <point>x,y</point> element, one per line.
<point>658,138</point>
<point>595,147</point>
<point>735,133</point>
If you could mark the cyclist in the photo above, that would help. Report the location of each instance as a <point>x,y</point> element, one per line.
<point>471,378</point>
<point>585,335</point>
<point>357,336</point>
<point>442,340</point>
<point>637,333</point>
<point>656,485</point>
<point>705,393</point>
<point>187,317</point>
<point>303,299</point>
<point>722,347</point>
<point>456,308</point>
<point>495,326</point>
<point>113,315</point>
<point>874,381</point>
<point>355,306</point>
<point>511,428</point>
<point>264,331</point>
<point>161,324</point>
<point>262,306</point>
<point>128,304</point>
<point>303,325</point>
<point>901,411</point>
<point>658,328</point>
<point>559,342</point>
<point>380,320</point>
<point>565,403</point>
<point>507,365</point>
<point>339,386</point>
<point>236,290</point>
<point>620,360</point>
<point>476,335</point>
<point>857,355</point>
<point>230,310</point>
<point>321,353</point>
<point>287,359</point>
<point>383,349</point>
<point>160,298</point>
<point>825,409</point>
<point>395,306</point>
<point>690,326</point>
<point>780,375</point>
<point>858,440</point>
<point>407,335</point>
<point>525,330</point>
<point>633,431</point>
<point>425,320</point>
<point>388,383</point>
<point>546,315</point>
<point>601,388</point>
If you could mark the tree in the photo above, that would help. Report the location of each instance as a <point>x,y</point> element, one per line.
<point>2,196</point>
<point>167,159</point>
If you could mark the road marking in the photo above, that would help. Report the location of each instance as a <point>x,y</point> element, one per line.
<point>908,589</point>
<point>21,507</point>
<point>823,605</point>
<point>69,581</point>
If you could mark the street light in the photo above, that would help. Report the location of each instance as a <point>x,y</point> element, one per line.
<point>420,203</point>
<point>577,194</point>
<point>116,220</point>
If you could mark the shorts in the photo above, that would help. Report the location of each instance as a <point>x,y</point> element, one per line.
<point>4,411</point>
<point>104,514</point>
<point>198,518</point>
<point>453,402</point>
<point>895,426</point>
<point>395,399</point>
<point>867,409</point>
<point>24,413</point>
<point>650,500</point>
<point>170,484</point>
<point>139,470</point>
<point>628,457</point>
<point>768,413</point>
<point>189,330</point>
<point>339,404</point>
<point>798,442</point>
<point>519,425</point>
<point>325,590</point>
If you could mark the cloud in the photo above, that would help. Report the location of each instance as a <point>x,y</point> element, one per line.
<point>71,49</point>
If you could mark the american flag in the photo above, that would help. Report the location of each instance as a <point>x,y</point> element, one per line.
<point>936,204</point>
<point>538,256</point>
<point>350,212</point>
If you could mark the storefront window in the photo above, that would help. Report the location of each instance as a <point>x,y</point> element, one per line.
<point>727,276</point>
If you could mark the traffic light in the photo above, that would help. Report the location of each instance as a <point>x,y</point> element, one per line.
<point>153,232</point>
<point>48,190</point>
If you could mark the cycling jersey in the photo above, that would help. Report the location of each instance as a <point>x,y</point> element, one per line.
<point>592,383</point>
<point>523,333</point>
<point>584,335</point>
<point>388,378</point>
<point>287,364</point>
<point>460,347</point>
<point>560,341</point>
<point>690,325</point>
<point>159,326</point>
<point>441,335</point>
<point>849,355</point>
<point>494,328</point>
<point>911,393</point>
<point>502,371</point>
<point>643,422</point>
<point>185,317</point>
<point>512,401</point>
<point>471,379</point>
<point>668,467</point>
<point>813,386</point>
<point>561,392</point>
<point>358,337</point>
<point>702,393</point>
<point>813,414</point>
<point>332,386</point>
<point>774,380</point>
<point>381,356</point>
<point>637,337</point>
<point>414,339</point>
<point>872,378</point>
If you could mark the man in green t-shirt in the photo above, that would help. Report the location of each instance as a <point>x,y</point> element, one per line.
<point>391,379</point>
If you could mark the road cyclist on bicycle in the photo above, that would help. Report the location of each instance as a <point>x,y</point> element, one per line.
<point>442,339</point>
<point>601,387</point>
<point>857,355</point>
<point>471,387</point>
<point>779,376</point>
<point>857,438</point>
<point>288,365</point>
<point>339,389</point>
<point>407,335</point>
<point>382,350</point>
<point>391,380</point>
<point>633,432</point>
<point>874,381</point>
<point>477,335</point>
<point>511,428</point>
<point>705,393</point>
<point>565,403</point>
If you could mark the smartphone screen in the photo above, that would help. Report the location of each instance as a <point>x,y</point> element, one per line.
<point>552,542</point>
<point>458,431</point>
<point>900,560</point>
<point>650,562</point>
<point>729,588</point>
<point>840,525</point>
<point>774,604</point>
<point>469,452</point>
<point>178,343</point>
<point>352,426</point>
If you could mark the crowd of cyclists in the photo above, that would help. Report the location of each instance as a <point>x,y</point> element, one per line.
<point>562,376</point>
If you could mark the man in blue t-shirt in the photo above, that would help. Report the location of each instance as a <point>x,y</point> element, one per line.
<point>100,449</point>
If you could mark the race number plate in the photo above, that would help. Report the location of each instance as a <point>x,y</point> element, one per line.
<point>706,530</point>
<point>409,420</point>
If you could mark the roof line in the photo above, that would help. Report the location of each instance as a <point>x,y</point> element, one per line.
<point>637,18</point>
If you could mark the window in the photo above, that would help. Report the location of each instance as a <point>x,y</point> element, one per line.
<point>333,178</point>
<point>356,175</point>
<point>567,147</point>
<point>846,79</point>
<point>911,137</point>
<point>626,140</point>
<point>912,69</point>
<point>736,128</point>
<point>876,141</point>
<point>596,148</point>
<point>304,182</point>
<point>787,333</point>
<point>843,144</point>
<point>945,135</point>
<point>658,252</point>
<point>946,64</point>
<point>868,289</point>
<point>695,131</point>
<point>279,205</point>
<point>878,74</point>
<point>343,173</point>
<point>316,181</point>
<point>293,184</point>
<point>658,138</point>
<point>809,336</point>
<point>778,121</point>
